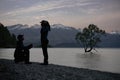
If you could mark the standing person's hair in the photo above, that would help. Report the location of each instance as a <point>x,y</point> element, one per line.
<point>45,24</point>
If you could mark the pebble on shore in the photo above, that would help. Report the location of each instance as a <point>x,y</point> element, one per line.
<point>35,71</point>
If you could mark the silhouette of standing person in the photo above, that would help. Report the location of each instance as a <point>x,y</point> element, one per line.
<point>44,41</point>
<point>22,52</point>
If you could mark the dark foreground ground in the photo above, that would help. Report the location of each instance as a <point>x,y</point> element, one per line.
<point>35,71</point>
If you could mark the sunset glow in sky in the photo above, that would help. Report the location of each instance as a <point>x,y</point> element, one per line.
<point>76,13</point>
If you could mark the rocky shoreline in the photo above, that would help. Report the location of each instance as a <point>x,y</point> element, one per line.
<point>35,71</point>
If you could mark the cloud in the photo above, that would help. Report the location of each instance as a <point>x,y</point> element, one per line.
<point>48,6</point>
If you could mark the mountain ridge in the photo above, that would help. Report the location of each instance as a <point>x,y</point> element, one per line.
<point>60,35</point>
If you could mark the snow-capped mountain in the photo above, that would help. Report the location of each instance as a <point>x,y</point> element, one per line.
<point>18,27</point>
<point>115,32</point>
<point>60,26</point>
<point>60,36</point>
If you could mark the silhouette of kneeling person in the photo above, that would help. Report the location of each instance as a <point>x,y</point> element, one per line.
<point>22,52</point>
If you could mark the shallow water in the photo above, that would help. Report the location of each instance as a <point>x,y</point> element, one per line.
<point>105,59</point>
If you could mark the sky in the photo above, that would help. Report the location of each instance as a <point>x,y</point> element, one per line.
<point>75,13</point>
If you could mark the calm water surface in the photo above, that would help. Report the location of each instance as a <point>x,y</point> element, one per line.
<point>107,59</point>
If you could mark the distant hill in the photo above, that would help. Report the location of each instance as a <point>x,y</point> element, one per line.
<point>111,40</point>
<point>60,36</point>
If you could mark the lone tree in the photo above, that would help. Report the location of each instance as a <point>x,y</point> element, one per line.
<point>90,37</point>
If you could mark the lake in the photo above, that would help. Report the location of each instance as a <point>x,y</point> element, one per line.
<point>104,59</point>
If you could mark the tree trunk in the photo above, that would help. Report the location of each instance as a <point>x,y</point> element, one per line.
<point>88,50</point>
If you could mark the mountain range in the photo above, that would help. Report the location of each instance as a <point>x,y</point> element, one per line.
<point>59,36</point>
